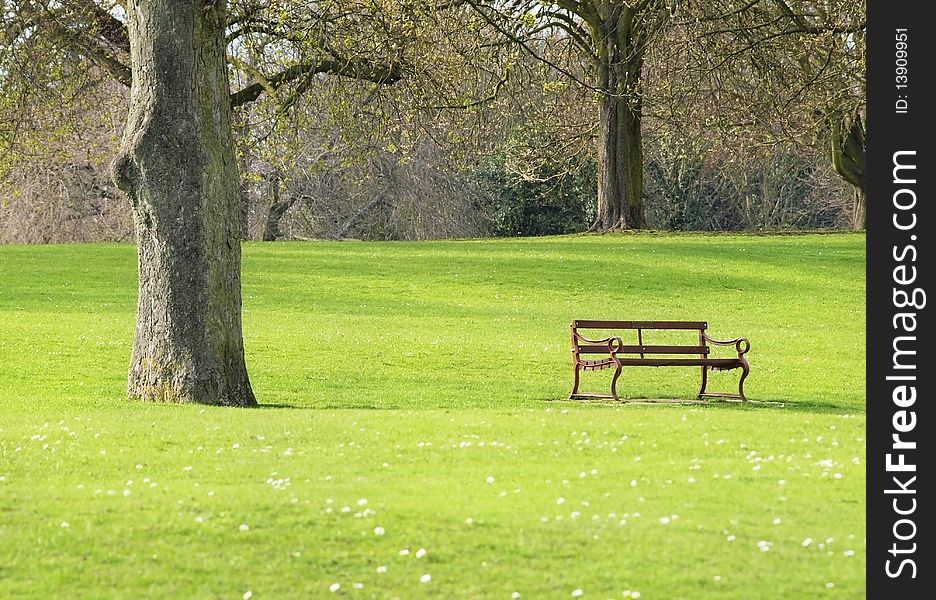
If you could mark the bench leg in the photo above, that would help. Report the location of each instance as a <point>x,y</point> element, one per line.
<point>745,369</point>
<point>617,373</point>
<point>704,381</point>
<point>575,380</point>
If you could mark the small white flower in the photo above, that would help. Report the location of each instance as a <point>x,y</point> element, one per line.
<point>244,527</point>
<point>420,553</point>
<point>577,593</point>
<point>404,552</point>
<point>362,502</point>
<point>378,531</point>
<point>806,542</point>
<point>490,479</point>
<point>469,521</point>
<point>777,521</point>
<point>635,594</point>
<point>358,586</point>
<point>425,578</point>
<point>64,525</point>
<point>334,587</point>
<point>665,520</point>
<point>633,483</point>
<point>560,500</point>
<point>830,585</point>
<point>731,538</point>
<point>515,596</point>
<point>848,553</point>
<point>382,569</point>
<point>248,595</point>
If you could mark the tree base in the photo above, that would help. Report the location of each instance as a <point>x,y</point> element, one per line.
<point>599,227</point>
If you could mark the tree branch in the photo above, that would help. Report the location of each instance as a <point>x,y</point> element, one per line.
<point>382,74</point>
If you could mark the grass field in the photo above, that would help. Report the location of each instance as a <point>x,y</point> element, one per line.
<point>414,440</point>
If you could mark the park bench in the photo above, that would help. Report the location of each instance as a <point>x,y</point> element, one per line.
<point>611,351</point>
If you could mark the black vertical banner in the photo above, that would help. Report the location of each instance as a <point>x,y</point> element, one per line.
<point>900,367</point>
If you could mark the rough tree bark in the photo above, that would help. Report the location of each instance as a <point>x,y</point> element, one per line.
<point>177,167</point>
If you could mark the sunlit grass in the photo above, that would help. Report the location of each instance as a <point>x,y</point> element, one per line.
<point>473,455</point>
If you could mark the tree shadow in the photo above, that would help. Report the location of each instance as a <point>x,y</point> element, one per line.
<point>275,406</point>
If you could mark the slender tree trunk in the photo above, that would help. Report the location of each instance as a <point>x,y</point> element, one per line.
<point>860,214</point>
<point>177,167</point>
<point>278,209</point>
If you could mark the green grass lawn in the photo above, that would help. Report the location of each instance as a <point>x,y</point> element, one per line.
<point>414,440</point>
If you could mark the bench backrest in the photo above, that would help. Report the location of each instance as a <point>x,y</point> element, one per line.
<point>586,345</point>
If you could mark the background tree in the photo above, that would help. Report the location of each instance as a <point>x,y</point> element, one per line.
<point>612,38</point>
<point>784,71</point>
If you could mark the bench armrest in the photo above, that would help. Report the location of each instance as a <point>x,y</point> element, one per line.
<point>741,344</point>
<point>614,343</point>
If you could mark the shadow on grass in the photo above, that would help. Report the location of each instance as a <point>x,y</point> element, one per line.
<point>263,406</point>
<point>334,406</point>
<point>801,406</point>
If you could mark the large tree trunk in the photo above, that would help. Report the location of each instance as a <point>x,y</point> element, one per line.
<point>620,146</point>
<point>612,199</point>
<point>177,167</point>
<point>630,163</point>
<point>620,164</point>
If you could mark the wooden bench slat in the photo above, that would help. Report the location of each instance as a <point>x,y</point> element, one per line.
<point>603,349</point>
<point>681,362</point>
<point>590,324</point>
